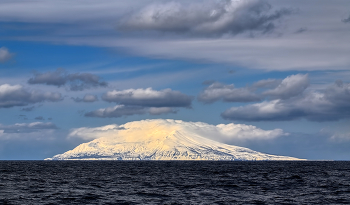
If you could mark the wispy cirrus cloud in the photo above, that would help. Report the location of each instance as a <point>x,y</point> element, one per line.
<point>206,19</point>
<point>200,30</point>
<point>27,127</point>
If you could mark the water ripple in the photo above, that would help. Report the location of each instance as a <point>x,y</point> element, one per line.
<point>176,182</point>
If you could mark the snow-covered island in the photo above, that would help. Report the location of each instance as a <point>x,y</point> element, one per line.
<point>159,140</point>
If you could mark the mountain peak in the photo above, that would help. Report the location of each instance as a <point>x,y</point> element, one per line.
<point>159,140</point>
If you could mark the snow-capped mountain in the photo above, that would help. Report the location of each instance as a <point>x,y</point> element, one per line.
<point>159,140</point>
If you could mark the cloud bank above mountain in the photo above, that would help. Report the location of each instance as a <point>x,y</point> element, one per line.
<point>227,133</point>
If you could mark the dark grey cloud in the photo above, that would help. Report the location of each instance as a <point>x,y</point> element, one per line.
<point>86,98</point>
<point>31,108</point>
<point>268,83</point>
<point>301,30</point>
<point>275,110</point>
<point>347,20</point>
<point>274,88</point>
<point>122,110</point>
<point>23,117</point>
<point>16,95</point>
<point>76,81</point>
<point>328,104</point>
<point>149,98</point>
<point>207,18</point>
<point>27,127</point>
<point>141,101</point>
<point>81,81</point>
<point>5,55</point>
<point>227,93</point>
<point>116,111</point>
<point>39,118</point>
<point>161,110</point>
<point>28,109</point>
<point>57,78</point>
<point>231,71</point>
<point>208,82</point>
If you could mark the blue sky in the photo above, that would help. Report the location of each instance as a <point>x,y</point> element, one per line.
<point>271,64</point>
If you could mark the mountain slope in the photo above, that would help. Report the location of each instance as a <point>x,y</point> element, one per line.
<point>161,140</point>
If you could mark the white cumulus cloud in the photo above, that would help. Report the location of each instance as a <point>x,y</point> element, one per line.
<point>88,133</point>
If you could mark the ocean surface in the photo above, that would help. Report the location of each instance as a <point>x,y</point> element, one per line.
<point>174,182</point>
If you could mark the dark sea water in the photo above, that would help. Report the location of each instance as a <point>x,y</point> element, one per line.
<point>176,182</point>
